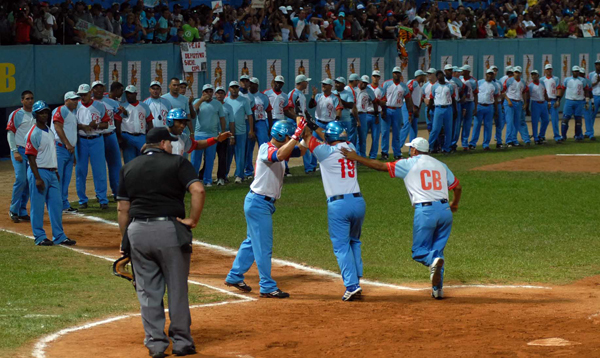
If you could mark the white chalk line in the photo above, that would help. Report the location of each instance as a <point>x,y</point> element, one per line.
<point>578,155</point>
<point>594,315</point>
<point>328,273</point>
<point>40,346</point>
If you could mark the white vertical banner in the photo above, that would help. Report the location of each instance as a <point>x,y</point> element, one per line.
<point>446,60</point>
<point>584,61</point>
<point>377,64</point>
<point>218,71</point>
<point>488,61</point>
<point>134,75</point>
<point>192,80</point>
<point>245,67</point>
<point>301,68</point>
<point>404,68</point>
<point>353,66</point>
<point>565,66</point>
<point>546,60</point>
<point>158,72</point>
<point>509,60</point>
<point>528,61</point>
<point>273,70</point>
<point>115,68</point>
<point>328,68</point>
<point>96,69</point>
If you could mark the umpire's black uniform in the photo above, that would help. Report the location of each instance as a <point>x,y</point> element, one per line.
<point>155,184</point>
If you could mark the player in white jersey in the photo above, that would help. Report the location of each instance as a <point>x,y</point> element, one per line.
<point>415,86</point>
<point>159,106</point>
<point>64,127</point>
<point>19,123</point>
<point>367,105</point>
<point>345,204</point>
<point>133,127</point>
<point>594,78</point>
<point>277,98</point>
<point>427,181</point>
<point>374,121</point>
<point>515,94</point>
<point>487,97</point>
<point>575,88</point>
<point>431,80</point>
<point>554,91</point>
<point>44,186</point>
<point>589,104</point>
<point>329,106</point>
<point>259,207</point>
<point>539,107</point>
<point>176,121</point>
<point>501,121</point>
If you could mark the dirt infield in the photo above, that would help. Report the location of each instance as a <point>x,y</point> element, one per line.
<point>314,322</point>
<point>548,163</point>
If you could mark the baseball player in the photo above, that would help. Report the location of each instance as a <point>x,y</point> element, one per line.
<point>242,113</point>
<point>431,80</point>
<point>352,131</point>
<point>594,78</point>
<point>178,100</point>
<point>250,126</point>
<point>487,96</point>
<point>345,204</point>
<point>427,181</point>
<point>443,99</point>
<point>222,147</point>
<point>278,100</point>
<point>468,106</point>
<point>540,106</point>
<point>112,151</point>
<point>297,96</point>
<point>554,91</point>
<point>589,109</point>
<point>263,120</point>
<point>499,110</point>
<point>329,107</point>
<point>395,92</point>
<point>415,86</point>
<point>209,123</point>
<point>44,186</point>
<point>575,88</point>
<point>501,122</point>
<point>259,207</point>
<point>159,106</point>
<point>132,128</point>
<point>64,128</point>
<point>19,123</point>
<point>452,75</point>
<point>92,118</point>
<point>366,99</point>
<point>515,95</point>
<point>348,100</point>
<point>176,121</point>
<point>374,121</point>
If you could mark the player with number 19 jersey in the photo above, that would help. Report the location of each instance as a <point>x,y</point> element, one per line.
<point>337,172</point>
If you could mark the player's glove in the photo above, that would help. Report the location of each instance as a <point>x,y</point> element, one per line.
<point>124,269</point>
<point>299,129</point>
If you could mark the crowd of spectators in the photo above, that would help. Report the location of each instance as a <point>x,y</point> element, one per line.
<point>27,21</point>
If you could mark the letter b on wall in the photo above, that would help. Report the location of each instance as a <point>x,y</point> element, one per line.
<point>7,79</point>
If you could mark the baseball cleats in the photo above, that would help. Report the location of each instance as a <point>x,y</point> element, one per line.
<point>275,294</point>
<point>220,182</point>
<point>70,210</point>
<point>68,242</point>
<point>499,146</point>
<point>287,172</point>
<point>397,157</point>
<point>207,185</point>
<point>471,147</point>
<point>436,271</point>
<point>238,180</point>
<point>24,218</point>
<point>384,156</point>
<point>46,242</point>
<point>83,206</point>
<point>593,139</point>
<point>157,354</point>
<point>240,286</point>
<point>486,149</point>
<point>437,293</point>
<point>352,293</point>
<point>14,217</point>
<point>104,206</point>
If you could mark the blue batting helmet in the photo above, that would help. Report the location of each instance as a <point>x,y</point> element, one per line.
<point>280,130</point>
<point>176,114</point>
<point>335,132</point>
<point>39,106</point>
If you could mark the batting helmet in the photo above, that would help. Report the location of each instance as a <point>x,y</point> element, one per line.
<point>176,114</point>
<point>280,130</point>
<point>39,106</point>
<point>335,132</point>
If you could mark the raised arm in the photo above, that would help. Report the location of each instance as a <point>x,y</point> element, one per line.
<point>371,163</point>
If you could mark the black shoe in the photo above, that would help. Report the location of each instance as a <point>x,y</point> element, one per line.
<point>579,139</point>
<point>157,354</point>
<point>104,206</point>
<point>593,139</point>
<point>275,294</point>
<point>384,156</point>
<point>560,141</point>
<point>70,210</point>
<point>14,217</point>
<point>185,351</point>
<point>499,146</point>
<point>46,242</point>
<point>486,149</point>
<point>68,242</point>
<point>115,198</point>
<point>586,136</point>
<point>25,218</point>
<point>527,144</point>
<point>240,286</point>
<point>83,206</point>
<point>471,147</point>
<point>398,157</point>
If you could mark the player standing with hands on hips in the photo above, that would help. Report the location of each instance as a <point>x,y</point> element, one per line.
<point>427,181</point>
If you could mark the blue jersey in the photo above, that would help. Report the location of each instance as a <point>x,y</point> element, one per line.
<point>180,101</point>
<point>347,96</point>
<point>240,108</point>
<point>208,120</point>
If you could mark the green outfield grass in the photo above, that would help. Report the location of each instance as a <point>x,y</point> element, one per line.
<point>512,227</point>
<point>45,289</point>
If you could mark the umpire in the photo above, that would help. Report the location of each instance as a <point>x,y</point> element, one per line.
<point>151,211</point>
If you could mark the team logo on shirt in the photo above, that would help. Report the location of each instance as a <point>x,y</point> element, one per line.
<point>141,117</point>
<point>95,117</point>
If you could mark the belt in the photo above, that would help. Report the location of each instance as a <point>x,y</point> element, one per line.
<point>331,199</point>
<point>485,104</point>
<point>107,134</point>
<point>89,137</point>
<point>147,220</point>
<point>394,108</point>
<point>134,134</point>
<point>267,198</point>
<point>540,102</point>
<point>429,203</point>
<point>50,169</point>
<point>446,106</point>
<point>372,113</point>
<point>59,144</point>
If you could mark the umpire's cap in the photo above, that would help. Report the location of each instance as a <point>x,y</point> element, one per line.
<point>157,135</point>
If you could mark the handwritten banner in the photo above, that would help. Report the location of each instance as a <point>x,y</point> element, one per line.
<point>193,55</point>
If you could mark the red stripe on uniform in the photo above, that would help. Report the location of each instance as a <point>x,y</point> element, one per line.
<point>392,168</point>
<point>456,182</point>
